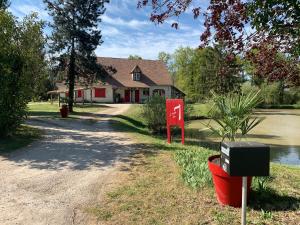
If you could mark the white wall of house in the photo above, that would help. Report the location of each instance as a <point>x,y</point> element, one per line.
<point>87,95</point>
<point>79,99</point>
<point>142,94</point>
<point>62,95</point>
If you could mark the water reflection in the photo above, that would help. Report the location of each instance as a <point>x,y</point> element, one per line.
<point>286,155</point>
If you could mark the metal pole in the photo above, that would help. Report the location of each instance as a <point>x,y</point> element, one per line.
<point>244,200</point>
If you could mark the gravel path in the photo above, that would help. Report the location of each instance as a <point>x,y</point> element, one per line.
<point>51,181</point>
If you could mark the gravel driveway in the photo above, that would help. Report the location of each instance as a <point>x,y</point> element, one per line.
<point>51,181</point>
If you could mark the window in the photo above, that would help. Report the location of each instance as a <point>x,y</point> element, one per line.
<point>136,76</point>
<point>79,93</point>
<point>100,92</point>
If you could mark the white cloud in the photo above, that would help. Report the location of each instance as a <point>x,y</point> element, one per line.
<point>147,44</point>
<point>110,31</point>
<point>135,24</point>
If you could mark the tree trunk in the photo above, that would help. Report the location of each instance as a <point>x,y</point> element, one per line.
<point>71,77</point>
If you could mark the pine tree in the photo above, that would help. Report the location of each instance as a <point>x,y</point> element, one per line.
<point>4,4</point>
<point>75,36</point>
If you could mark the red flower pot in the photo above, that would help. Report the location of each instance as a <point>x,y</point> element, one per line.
<point>228,188</point>
<point>64,111</point>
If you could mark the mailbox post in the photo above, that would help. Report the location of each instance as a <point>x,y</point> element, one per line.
<point>245,159</point>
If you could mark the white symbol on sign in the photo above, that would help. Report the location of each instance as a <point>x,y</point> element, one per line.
<point>179,109</point>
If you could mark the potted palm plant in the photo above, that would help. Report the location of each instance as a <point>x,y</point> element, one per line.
<point>234,116</point>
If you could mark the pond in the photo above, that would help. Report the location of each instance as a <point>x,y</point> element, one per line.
<point>280,129</point>
<point>286,155</point>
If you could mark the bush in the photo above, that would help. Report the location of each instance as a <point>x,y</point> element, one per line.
<point>13,100</point>
<point>21,65</point>
<point>270,93</point>
<point>247,87</point>
<point>291,96</point>
<point>154,113</point>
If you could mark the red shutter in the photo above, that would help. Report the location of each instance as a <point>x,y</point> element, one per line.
<point>100,92</point>
<point>79,94</point>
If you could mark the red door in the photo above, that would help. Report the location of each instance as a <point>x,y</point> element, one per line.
<point>137,96</point>
<point>127,95</point>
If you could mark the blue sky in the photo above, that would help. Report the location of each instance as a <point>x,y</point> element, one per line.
<point>127,30</point>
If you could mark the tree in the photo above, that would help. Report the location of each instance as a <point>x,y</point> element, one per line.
<point>281,20</point>
<point>198,72</point>
<point>275,22</point>
<point>165,57</point>
<point>75,36</point>
<point>22,64</point>
<point>4,4</point>
<point>132,57</point>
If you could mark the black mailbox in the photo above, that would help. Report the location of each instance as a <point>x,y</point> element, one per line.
<point>245,158</point>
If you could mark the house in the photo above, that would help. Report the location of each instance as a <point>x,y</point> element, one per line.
<point>126,81</point>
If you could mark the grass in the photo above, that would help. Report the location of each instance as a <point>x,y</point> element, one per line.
<point>169,184</point>
<point>200,111</point>
<point>23,137</point>
<point>295,106</point>
<point>46,109</point>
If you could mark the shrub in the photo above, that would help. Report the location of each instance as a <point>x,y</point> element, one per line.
<point>291,96</point>
<point>21,65</point>
<point>13,99</point>
<point>154,113</point>
<point>247,87</point>
<point>270,93</point>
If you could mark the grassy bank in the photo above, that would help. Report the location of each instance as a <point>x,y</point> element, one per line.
<point>23,137</point>
<point>46,109</point>
<point>170,184</point>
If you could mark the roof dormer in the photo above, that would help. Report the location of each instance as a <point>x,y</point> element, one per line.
<point>136,73</point>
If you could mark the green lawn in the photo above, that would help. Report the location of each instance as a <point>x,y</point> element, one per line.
<point>46,109</point>
<point>23,137</point>
<point>200,110</point>
<point>170,184</point>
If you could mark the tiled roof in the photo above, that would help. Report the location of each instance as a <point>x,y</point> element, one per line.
<point>154,72</point>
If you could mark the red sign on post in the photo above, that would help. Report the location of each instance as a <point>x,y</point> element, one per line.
<point>175,116</point>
